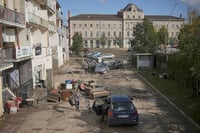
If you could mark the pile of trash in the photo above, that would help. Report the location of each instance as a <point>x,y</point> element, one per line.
<point>87,89</point>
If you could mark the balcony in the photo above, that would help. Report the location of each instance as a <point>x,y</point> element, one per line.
<point>51,6</point>
<point>14,54</point>
<point>59,14</point>
<point>11,17</point>
<point>3,64</point>
<point>52,26</point>
<point>36,20</point>
<point>41,2</point>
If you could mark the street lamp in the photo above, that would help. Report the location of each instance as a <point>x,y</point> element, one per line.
<point>167,38</point>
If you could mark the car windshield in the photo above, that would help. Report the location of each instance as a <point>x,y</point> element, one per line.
<point>122,106</point>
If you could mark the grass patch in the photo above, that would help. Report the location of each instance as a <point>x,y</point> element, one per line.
<point>181,96</point>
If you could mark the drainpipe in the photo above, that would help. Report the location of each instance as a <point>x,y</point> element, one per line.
<point>69,28</point>
<point>1,37</point>
<point>17,35</point>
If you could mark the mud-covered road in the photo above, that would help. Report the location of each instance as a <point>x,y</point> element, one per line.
<point>156,115</point>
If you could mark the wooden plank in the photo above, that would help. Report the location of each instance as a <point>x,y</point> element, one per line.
<point>99,94</point>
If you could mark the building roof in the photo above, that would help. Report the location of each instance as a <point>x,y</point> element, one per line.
<point>129,6</point>
<point>163,18</point>
<point>96,17</point>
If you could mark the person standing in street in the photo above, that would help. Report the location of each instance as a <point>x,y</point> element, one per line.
<point>77,99</point>
<point>86,67</point>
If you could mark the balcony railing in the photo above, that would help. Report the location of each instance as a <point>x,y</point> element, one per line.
<point>59,14</point>
<point>37,20</point>
<point>51,5</point>
<point>11,16</point>
<point>52,26</point>
<point>15,53</point>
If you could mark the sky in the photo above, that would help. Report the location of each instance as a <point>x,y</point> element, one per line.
<point>149,7</point>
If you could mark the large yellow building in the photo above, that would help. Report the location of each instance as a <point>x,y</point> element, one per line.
<point>120,25</point>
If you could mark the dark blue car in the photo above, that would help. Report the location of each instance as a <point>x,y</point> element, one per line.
<point>117,109</point>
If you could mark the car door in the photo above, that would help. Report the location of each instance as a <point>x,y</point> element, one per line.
<point>97,105</point>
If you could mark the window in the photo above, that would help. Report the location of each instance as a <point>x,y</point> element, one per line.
<point>91,42</point>
<point>85,25</point>
<point>97,33</point>
<point>114,33</point>
<point>91,33</point>
<point>85,42</point>
<point>27,37</point>
<point>91,25</point>
<point>79,25</point>
<point>108,25</point>
<point>74,25</point>
<point>128,33</point>
<point>172,34</point>
<point>108,33</point>
<point>120,34</point>
<point>85,34</point>
<point>97,25</point>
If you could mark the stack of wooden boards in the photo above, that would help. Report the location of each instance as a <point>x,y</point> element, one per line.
<point>99,92</point>
<point>53,95</point>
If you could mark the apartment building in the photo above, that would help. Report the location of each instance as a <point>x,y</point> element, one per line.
<point>32,39</point>
<point>118,26</point>
<point>15,53</point>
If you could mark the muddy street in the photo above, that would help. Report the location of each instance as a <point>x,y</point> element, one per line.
<point>156,115</point>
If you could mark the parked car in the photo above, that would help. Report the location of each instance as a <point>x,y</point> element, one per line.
<point>118,109</point>
<point>108,55</point>
<point>92,54</point>
<point>86,49</point>
<point>101,68</point>
<point>115,65</point>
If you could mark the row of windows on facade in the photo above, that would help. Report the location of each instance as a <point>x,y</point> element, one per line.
<point>114,34</point>
<point>128,24</point>
<point>169,26</point>
<point>97,42</point>
<point>98,34</point>
<point>133,17</point>
<point>97,25</point>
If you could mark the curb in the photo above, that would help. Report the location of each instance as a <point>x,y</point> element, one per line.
<point>177,108</point>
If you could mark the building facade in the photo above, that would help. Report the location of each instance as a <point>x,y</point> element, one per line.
<point>32,39</point>
<point>118,28</point>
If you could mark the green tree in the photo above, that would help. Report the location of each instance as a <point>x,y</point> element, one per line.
<point>119,41</point>
<point>103,40</point>
<point>145,37</point>
<point>77,44</point>
<point>189,44</point>
<point>162,35</point>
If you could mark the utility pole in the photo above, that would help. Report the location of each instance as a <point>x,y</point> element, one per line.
<point>167,35</point>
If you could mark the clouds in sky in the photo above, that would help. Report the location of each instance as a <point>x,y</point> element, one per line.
<point>102,1</point>
<point>193,3</point>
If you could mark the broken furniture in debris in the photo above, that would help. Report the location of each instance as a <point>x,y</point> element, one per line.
<point>88,89</point>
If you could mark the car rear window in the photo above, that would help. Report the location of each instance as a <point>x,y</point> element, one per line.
<point>123,106</point>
